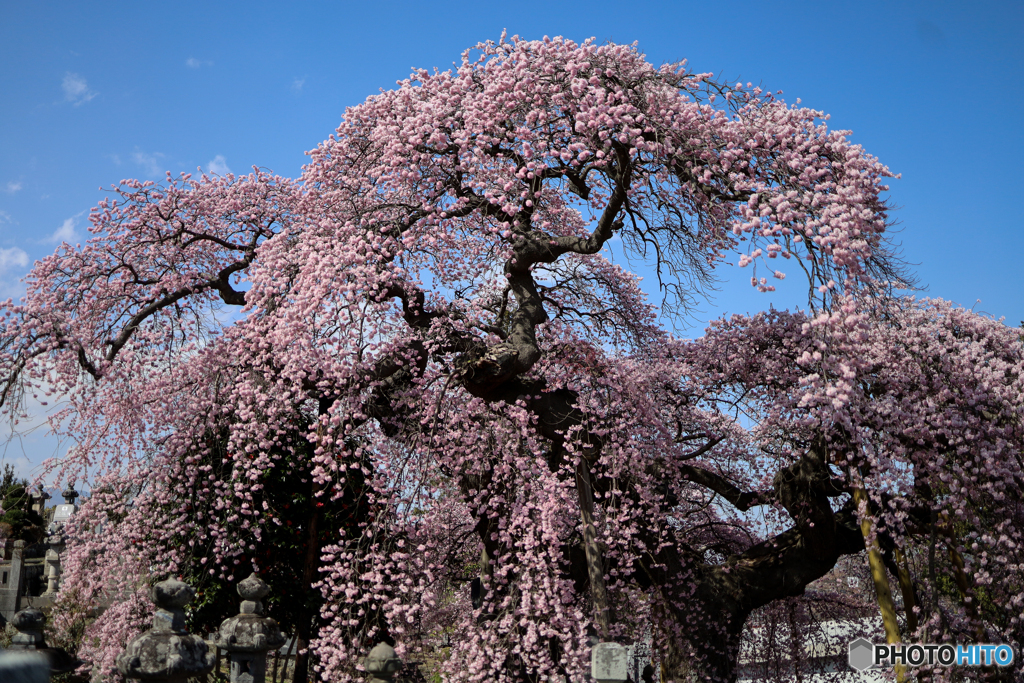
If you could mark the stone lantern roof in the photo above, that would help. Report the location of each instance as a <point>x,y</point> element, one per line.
<point>167,652</point>
<point>249,630</point>
<point>70,494</point>
<point>29,623</point>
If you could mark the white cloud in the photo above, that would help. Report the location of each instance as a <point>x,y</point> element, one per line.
<point>23,466</point>
<point>218,165</point>
<point>5,218</point>
<point>13,262</point>
<point>66,232</point>
<point>28,440</point>
<point>298,83</point>
<point>13,186</point>
<point>194,63</point>
<point>150,163</point>
<point>76,89</point>
<point>12,257</point>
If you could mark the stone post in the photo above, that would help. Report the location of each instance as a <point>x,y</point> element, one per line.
<point>9,596</point>
<point>167,653</point>
<point>52,572</point>
<point>382,664</point>
<point>17,565</point>
<point>609,663</point>
<point>29,638</point>
<point>248,635</point>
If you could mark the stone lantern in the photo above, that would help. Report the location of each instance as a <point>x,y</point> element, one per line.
<point>382,664</point>
<point>29,623</point>
<point>39,502</point>
<point>55,539</point>
<point>29,638</point>
<point>70,494</point>
<point>248,635</point>
<point>52,568</point>
<point>167,652</point>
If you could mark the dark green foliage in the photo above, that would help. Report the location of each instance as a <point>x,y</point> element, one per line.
<point>8,481</point>
<point>282,553</point>
<point>18,521</point>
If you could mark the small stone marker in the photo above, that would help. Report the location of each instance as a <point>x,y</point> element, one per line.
<point>609,663</point>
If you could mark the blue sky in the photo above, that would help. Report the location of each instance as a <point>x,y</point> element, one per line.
<point>91,93</point>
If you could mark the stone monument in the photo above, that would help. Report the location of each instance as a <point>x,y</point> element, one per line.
<point>609,663</point>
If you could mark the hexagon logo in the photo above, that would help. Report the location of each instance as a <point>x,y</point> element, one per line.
<point>860,654</point>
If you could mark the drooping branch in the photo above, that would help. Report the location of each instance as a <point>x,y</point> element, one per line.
<point>738,498</point>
